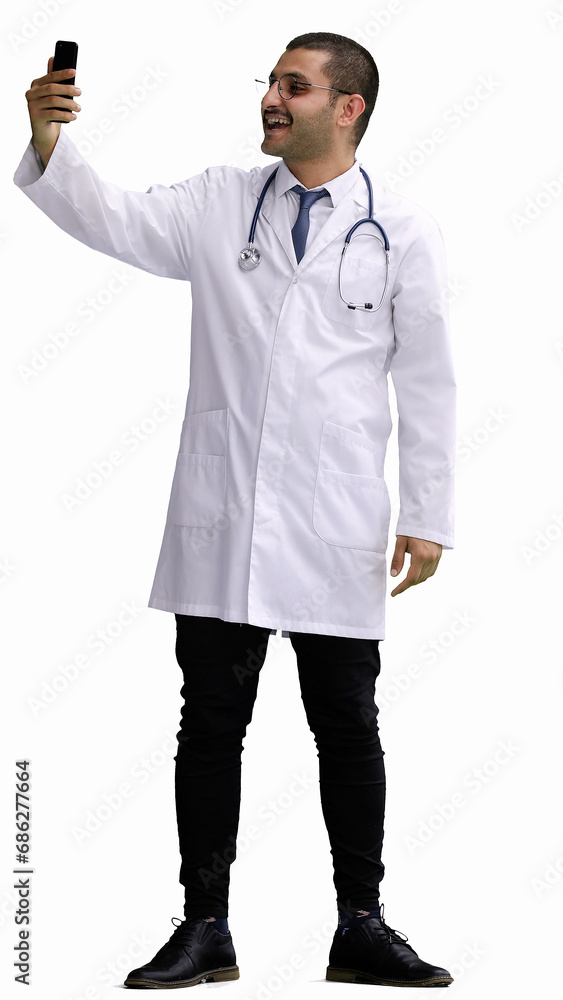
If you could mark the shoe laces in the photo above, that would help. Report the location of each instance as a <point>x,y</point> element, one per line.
<point>392,934</point>
<point>184,930</point>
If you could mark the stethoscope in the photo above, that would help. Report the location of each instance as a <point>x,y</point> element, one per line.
<point>250,256</point>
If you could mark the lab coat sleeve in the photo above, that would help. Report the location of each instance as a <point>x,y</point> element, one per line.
<point>152,230</point>
<point>423,377</point>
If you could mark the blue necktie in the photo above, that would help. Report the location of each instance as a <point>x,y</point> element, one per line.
<point>301,228</point>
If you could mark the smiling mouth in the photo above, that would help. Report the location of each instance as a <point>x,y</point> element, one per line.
<point>276,127</point>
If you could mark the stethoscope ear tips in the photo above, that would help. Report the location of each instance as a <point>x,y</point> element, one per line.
<point>249,258</point>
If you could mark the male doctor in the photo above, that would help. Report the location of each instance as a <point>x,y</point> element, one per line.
<point>279,513</point>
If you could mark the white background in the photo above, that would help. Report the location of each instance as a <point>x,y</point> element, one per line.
<point>482,894</point>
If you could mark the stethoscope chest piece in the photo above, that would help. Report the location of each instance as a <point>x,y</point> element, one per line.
<point>249,258</point>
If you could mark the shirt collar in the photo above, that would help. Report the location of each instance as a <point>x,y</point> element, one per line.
<point>337,188</point>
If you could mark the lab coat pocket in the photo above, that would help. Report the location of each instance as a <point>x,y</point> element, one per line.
<point>351,504</point>
<point>351,510</point>
<point>362,281</point>
<point>199,486</point>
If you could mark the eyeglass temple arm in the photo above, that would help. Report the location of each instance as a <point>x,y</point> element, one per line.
<point>303,84</point>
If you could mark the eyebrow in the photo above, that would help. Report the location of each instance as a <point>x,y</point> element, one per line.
<point>295,73</point>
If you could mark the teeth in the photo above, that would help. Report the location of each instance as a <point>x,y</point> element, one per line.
<point>284,121</point>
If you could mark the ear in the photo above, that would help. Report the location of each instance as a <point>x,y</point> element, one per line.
<point>351,110</point>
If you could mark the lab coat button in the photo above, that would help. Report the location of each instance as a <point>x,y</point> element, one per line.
<point>294,281</point>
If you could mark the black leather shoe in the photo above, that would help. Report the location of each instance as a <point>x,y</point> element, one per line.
<point>195,953</point>
<point>372,952</point>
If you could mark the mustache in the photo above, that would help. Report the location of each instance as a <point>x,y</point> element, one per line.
<point>274,111</point>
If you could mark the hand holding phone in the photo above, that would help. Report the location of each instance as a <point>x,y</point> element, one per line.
<point>40,96</point>
<point>66,55</point>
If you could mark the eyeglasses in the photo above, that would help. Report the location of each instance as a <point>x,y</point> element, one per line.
<point>289,86</point>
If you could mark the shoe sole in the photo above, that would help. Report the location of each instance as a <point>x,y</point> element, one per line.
<point>351,976</point>
<point>214,976</point>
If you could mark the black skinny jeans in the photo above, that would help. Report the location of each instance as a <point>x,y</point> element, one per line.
<point>221,663</point>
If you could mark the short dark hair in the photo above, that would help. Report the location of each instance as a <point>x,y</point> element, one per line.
<point>349,67</point>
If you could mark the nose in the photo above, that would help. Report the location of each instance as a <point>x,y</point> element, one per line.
<point>269,89</point>
<point>272,97</point>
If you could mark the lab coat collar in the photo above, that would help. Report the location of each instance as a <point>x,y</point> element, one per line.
<point>337,188</point>
<point>349,197</point>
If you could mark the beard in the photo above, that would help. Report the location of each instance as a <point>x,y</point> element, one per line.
<point>305,139</point>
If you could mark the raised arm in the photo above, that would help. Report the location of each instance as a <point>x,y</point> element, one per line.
<point>153,230</point>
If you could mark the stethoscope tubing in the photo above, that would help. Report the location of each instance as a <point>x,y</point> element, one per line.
<point>253,252</point>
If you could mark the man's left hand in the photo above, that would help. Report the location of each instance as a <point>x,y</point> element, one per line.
<point>425,557</point>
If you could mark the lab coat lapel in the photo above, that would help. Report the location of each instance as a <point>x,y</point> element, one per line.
<point>341,219</point>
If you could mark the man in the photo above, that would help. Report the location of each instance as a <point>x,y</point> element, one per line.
<point>279,512</point>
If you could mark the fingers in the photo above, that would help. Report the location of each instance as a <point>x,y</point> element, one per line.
<point>49,98</point>
<point>48,109</point>
<point>68,101</point>
<point>411,579</point>
<point>44,96</point>
<point>406,583</point>
<point>53,92</point>
<point>52,76</point>
<point>399,555</point>
<point>420,570</point>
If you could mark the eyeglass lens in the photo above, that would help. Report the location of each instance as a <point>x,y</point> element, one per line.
<point>287,85</point>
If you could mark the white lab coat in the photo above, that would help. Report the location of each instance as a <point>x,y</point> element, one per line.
<point>279,512</point>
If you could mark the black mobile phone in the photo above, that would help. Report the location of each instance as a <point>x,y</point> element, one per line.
<point>66,54</point>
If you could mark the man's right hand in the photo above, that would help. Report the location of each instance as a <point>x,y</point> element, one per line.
<point>40,97</point>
